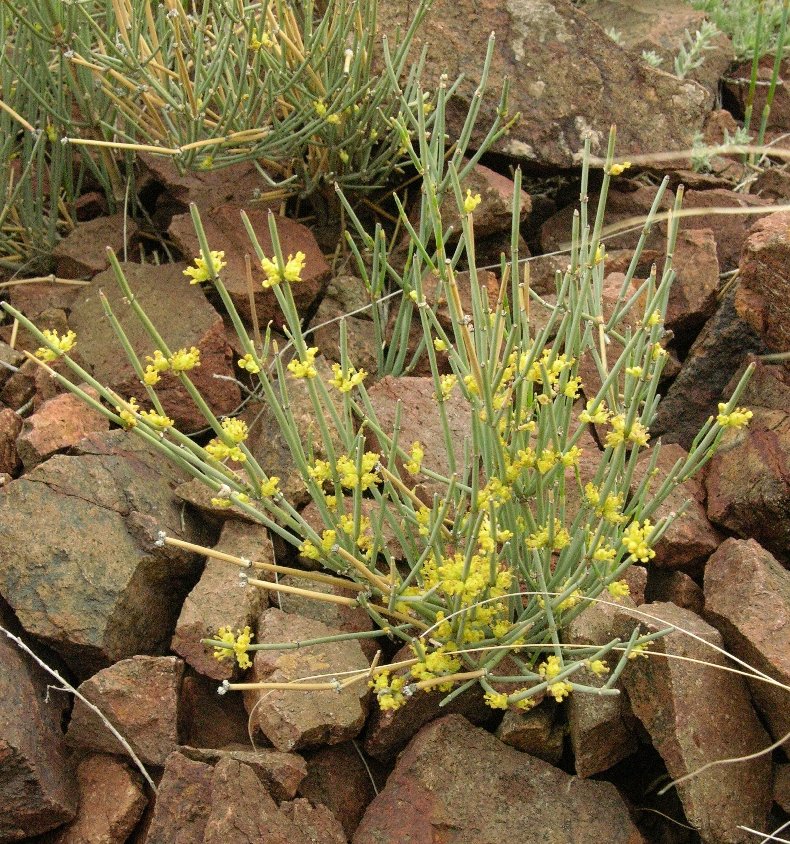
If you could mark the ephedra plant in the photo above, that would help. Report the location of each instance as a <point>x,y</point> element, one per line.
<point>525,528</point>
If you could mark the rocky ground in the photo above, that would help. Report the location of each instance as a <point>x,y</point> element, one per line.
<point>84,583</point>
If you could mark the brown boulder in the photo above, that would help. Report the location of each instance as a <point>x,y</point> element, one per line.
<point>183,802</point>
<point>10,426</point>
<point>456,780</point>
<point>225,231</point>
<point>747,598</point>
<point>316,823</point>
<point>139,696</point>
<point>538,732</point>
<point>83,252</point>
<point>738,82</point>
<point>296,719</point>
<point>37,787</point>
<point>697,714</point>
<point>675,587</point>
<point>112,801</point>
<point>560,98</point>
<point>112,592</point>
<point>185,319</point>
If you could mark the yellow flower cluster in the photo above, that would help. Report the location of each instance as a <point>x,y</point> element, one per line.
<point>157,364</point>
<point>389,691</point>
<point>205,270</point>
<point>437,663</point>
<point>128,414</point>
<point>291,272</point>
<point>271,487</point>
<point>305,368</point>
<point>471,201</point>
<point>417,454</point>
<point>155,420</point>
<point>598,415</point>
<point>619,589</point>
<point>248,363</point>
<point>62,345</point>
<point>236,430</point>
<point>635,540</point>
<point>637,433</point>
<point>346,382</point>
<point>738,418</point>
<point>549,669</point>
<point>541,539</point>
<point>610,509</point>
<point>496,700</point>
<point>346,467</point>
<point>447,384</point>
<point>235,646</point>
<point>185,359</point>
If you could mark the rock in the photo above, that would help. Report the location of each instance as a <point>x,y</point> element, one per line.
<point>601,728</point>
<point>338,778</point>
<point>675,587</point>
<point>225,231</point>
<point>697,714</point>
<point>242,812</point>
<point>747,598</point>
<point>183,802</point>
<point>316,823</point>
<point>782,786</point>
<point>485,787</point>
<point>211,721</point>
<point>560,98</point>
<point>268,443</point>
<point>420,420</point>
<point>537,732</point>
<point>345,295</point>
<point>388,730</point>
<point>626,200</point>
<point>185,319</point>
<point>692,299</point>
<point>718,351</point>
<point>772,183</point>
<point>747,480</point>
<point>494,213</point>
<point>10,361</point>
<point>737,85</point>
<point>660,26</point>
<point>10,426</point>
<point>112,801</point>
<point>57,425</point>
<point>691,538</point>
<point>296,719</point>
<point>281,774</point>
<point>217,601</point>
<point>139,696</point>
<point>37,787</point>
<point>83,252</point>
<point>729,230</point>
<point>95,607</point>
<point>763,296</point>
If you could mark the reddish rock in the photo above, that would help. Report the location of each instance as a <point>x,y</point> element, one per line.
<point>763,297</point>
<point>747,480</point>
<point>729,230</point>
<point>218,600</point>
<point>37,787</point>
<point>494,213</point>
<point>242,811</point>
<point>112,801</point>
<point>58,424</point>
<point>747,598</point>
<point>338,778</point>
<point>601,728</point>
<point>691,538</point>
<point>772,183</point>
<point>737,85</point>
<point>10,426</point>
<point>113,593</point>
<point>10,361</point>
<point>21,386</point>
<point>537,732</point>
<point>139,696</point>
<point>268,443</point>
<point>560,100</point>
<point>697,714</point>
<point>419,418</point>
<point>210,720</point>
<point>675,587</point>
<point>626,200</point>
<point>225,231</point>
<point>662,26</point>
<point>183,802</point>
<point>388,730</point>
<point>345,297</point>
<point>483,788</point>
<point>316,823</point>
<point>718,351</point>
<point>296,719</point>
<point>83,252</point>
<point>280,773</point>
<point>692,299</point>
<point>185,319</point>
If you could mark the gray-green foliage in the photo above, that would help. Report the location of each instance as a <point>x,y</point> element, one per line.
<point>691,53</point>
<point>738,20</point>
